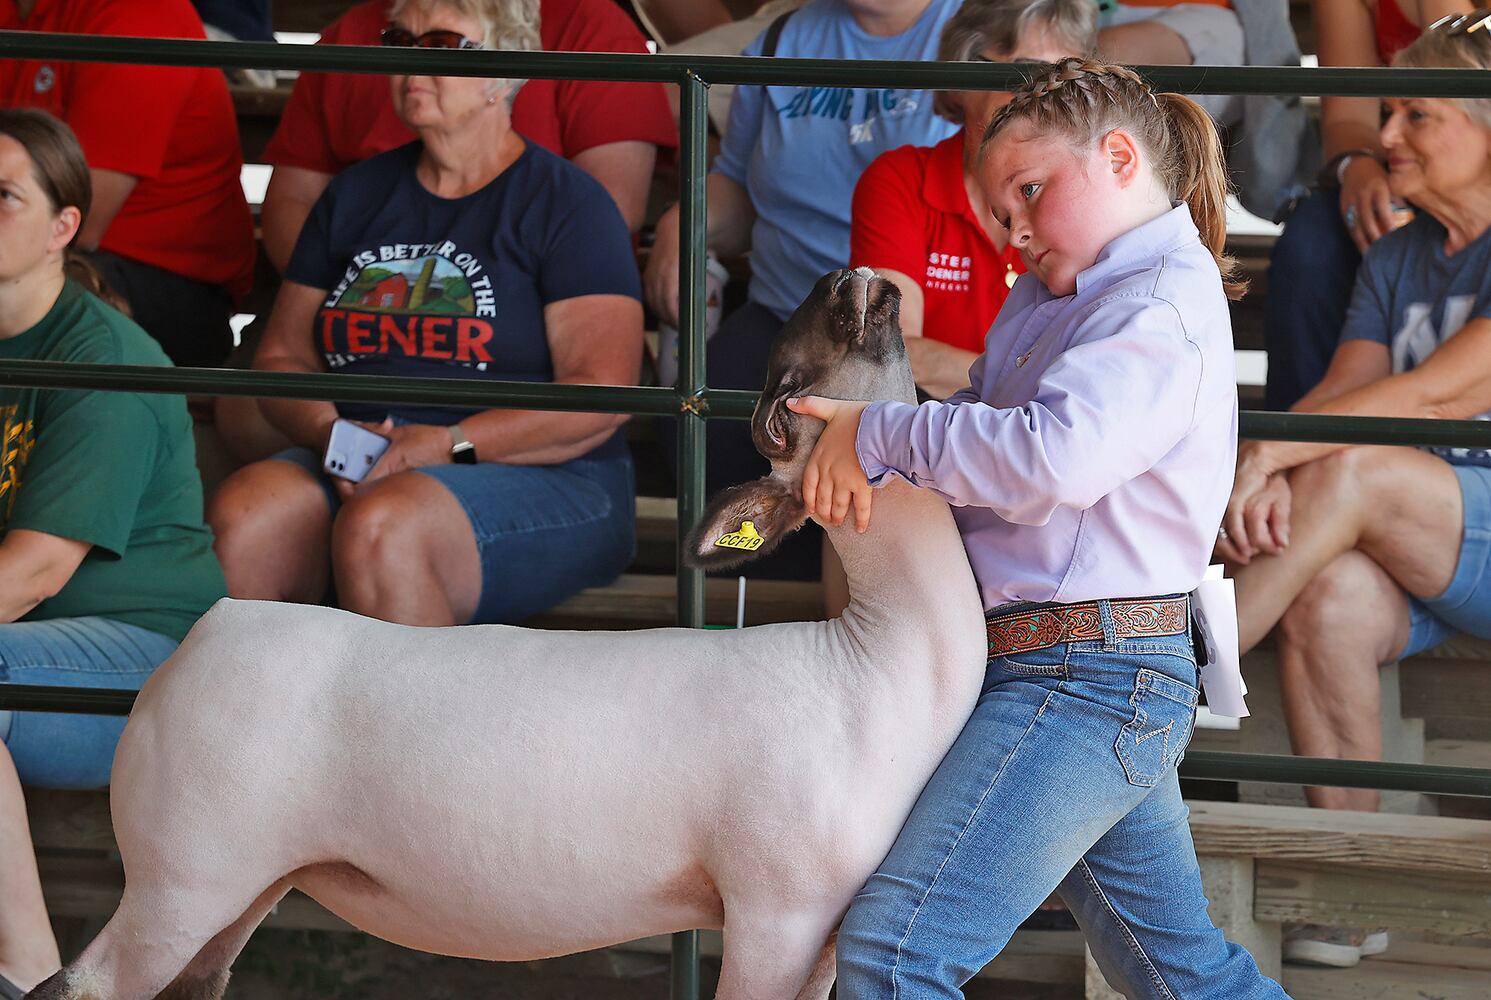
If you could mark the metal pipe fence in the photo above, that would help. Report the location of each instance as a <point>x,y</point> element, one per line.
<point>691,400</point>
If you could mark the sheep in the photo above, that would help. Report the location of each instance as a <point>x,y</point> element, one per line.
<point>510,794</point>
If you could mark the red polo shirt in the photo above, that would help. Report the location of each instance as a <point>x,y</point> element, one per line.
<point>172,129</point>
<point>335,120</point>
<point>911,214</point>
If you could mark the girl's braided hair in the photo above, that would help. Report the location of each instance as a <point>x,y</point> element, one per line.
<point>1084,100</point>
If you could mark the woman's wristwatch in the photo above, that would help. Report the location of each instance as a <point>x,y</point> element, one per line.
<point>462,451</point>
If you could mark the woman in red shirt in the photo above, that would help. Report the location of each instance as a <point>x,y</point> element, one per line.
<point>919,217</point>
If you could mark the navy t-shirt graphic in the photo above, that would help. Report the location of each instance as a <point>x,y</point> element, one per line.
<point>455,287</point>
<point>431,302</point>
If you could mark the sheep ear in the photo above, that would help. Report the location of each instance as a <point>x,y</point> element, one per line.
<point>742,523</point>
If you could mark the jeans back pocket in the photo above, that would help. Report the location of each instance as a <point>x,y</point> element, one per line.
<point>1154,739</point>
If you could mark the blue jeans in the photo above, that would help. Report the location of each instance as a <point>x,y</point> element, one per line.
<point>1064,778</point>
<point>1311,273</point>
<point>1464,605</point>
<point>54,750</point>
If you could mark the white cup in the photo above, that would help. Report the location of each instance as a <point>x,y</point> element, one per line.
<point>715,277</point>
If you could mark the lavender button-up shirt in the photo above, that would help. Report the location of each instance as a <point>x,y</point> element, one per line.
<point>1092,456</point>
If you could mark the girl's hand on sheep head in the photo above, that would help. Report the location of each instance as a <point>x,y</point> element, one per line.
<point>833,481</point>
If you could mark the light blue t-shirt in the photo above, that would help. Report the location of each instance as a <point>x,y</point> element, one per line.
<point>1413,298</point>
<point>799,151</point>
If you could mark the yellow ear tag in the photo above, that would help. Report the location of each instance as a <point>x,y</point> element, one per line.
<point>747,539</point>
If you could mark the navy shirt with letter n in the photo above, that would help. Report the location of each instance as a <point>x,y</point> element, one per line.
<point>455,287</point>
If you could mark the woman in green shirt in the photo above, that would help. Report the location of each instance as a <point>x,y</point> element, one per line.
<point>105,562</point>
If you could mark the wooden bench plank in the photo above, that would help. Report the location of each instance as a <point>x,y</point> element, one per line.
<point>646,601</point>
<point>70,821</point>
<point>1354,896</point>
<point>1427,845</point>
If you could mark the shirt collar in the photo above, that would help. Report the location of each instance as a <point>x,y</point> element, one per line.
<point>943,186</point>
<point>1154,238</point>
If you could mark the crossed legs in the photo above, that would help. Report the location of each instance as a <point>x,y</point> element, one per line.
<point>1369,526</point>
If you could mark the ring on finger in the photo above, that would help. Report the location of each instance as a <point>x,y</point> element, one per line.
<point>1350,216</point>
<point>1222,534</point>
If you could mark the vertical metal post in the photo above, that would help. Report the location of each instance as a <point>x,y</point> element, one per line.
<point>693,135</point>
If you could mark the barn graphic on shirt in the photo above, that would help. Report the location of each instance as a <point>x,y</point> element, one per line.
<point>430,284</point>
<point>430,302</point>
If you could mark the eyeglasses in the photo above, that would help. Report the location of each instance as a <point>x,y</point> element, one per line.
<point>1461,24</point>
<point>403,38</point>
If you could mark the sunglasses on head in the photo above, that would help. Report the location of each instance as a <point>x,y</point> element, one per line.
<point>403,38</point>
<point>1462,24</point>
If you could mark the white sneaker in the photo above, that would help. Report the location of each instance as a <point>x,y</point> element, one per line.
<point>1375,942</point>
<point>1317,944</point>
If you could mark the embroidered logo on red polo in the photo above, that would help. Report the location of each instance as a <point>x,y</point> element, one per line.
<point>948,272</point>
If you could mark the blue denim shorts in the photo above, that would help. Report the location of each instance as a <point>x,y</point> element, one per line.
<point>1465,605</point>
<point>54,750</point>
<point>543,532</point>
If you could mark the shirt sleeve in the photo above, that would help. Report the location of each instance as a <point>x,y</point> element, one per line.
<point>124,116</point>
<point>747,105</point>
<point>884,230</point>
<point>598,112</point>
<point>1079,438</point>
<point>589,250</point>
<point>303,137</point>
<point>94,456</point>
<point>311,262</point>
<point>1369,317</point>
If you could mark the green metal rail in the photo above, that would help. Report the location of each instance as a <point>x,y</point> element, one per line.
<point>691,400</point>
<point>1327,82</point>
<point>1204,765</point>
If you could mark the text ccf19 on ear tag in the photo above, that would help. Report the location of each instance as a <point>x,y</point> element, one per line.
<point>747,539</point>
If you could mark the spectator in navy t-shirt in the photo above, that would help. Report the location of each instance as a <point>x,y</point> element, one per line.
<point>468,254</point>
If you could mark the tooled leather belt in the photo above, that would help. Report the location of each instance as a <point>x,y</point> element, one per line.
<point>1023,631</point>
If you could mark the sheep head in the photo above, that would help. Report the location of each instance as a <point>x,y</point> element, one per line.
<point>844,342</point>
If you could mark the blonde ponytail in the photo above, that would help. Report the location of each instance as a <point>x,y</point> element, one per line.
<point>1201,181</point>
<point>1082,100</point>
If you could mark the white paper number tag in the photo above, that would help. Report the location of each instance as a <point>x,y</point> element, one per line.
<point>1215,603</point>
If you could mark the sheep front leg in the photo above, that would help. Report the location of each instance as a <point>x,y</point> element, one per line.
<point>821,982</point>
<point>775,956</point>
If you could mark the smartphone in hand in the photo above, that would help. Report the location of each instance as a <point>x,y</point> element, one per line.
<point>353,450</point>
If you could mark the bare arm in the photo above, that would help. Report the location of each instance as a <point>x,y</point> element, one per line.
<point>625,171</point>
<point>289,346</point>
<point>939,368</point>
<point>1451,384</point>
<point>1429,11</point>
<point>730,216</point>
<point>1345,35</point>
<point>594,340</point>
<point>110,191</point>
<point>34,567</point>
<point>291,195</point>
